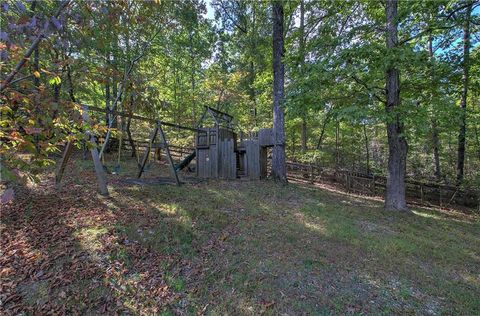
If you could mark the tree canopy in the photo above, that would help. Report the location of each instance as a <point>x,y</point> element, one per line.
<point>169,59</point>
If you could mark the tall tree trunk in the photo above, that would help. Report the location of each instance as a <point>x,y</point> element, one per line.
<point>36,82</point>
<point>294,142</point>
<point>463,102</point>
<point>279,170</point>
<point>302,69</point>
<point>107,101</point>
<point>253,93</point>
<point>130,139</point>
<point>56,87</point>
<point>36,53</point>
<point>253,73</point>
<point>192,76</point>
<point>367,149</point>
<point>304,134</point>
<point>337,139</point>
<point>397,144</point>
<point>435,134</point>
<point>127,129</point>
<point>56,93</point>
<point>36,65</point>
<point>71,92</point>
<point>436,150</point>
<point>477,138</point>
<point>322,133</point>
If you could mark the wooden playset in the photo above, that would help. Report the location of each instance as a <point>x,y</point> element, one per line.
<point>219,154</point>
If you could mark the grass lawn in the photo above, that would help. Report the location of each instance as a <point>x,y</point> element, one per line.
<point>230,247</point>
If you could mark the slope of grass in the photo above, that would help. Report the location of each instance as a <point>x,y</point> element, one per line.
<point>231,247</point>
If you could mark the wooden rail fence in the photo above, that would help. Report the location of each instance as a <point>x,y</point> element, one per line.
<point>427,193</point>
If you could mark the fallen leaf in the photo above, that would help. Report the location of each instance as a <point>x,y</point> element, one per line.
<point>7,196</point>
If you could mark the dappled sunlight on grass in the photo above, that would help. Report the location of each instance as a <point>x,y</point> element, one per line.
<point>317,227</point>
<point>238,247</point>
<point>88,238</point>
<point>471,278</point>
<point>428,215</point>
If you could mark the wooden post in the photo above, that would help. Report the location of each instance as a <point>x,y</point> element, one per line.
<point>147,152</point>
<point>102,181</point>
<point>63,163</point>
<point>167,151</point>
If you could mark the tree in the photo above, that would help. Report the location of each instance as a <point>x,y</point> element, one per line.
<point>302,66</point>
<point>463,102</point>
<point>279,170</point>
<point>397,144</point>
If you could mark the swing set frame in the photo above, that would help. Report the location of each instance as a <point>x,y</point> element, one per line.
<point>99,169</point>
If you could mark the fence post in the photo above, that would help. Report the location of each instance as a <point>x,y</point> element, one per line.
<point>373,187</point>
<point>311,174</point>
<point>421,192</point>
<point>347,176</point>
<point>440,194</point>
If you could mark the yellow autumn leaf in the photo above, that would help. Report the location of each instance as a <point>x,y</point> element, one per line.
<point>36,74</point>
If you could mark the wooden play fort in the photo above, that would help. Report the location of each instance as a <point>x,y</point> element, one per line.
<point>220,154</point>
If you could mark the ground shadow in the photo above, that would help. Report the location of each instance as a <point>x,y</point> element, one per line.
<point>229,247</point>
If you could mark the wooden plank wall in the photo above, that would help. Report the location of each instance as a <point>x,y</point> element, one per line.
<point>213,162</point>
<point>252,166</point>
<point>265,137</point>
<point>227,159</point>
<point>216,156</point>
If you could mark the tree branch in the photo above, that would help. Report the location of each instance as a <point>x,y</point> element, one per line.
<point>29,52</point>
<point>368,88</point>
<point>425,32</point>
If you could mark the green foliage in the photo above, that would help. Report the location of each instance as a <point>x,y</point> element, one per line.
<point>188,54</point>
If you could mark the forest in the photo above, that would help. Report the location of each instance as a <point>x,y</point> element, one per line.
<point>240,157</point>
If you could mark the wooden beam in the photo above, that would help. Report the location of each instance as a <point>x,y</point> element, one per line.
<point>101,178</point>
<point>167,150</point>
<point>63,163</point>
<point>149,148</point>
<point>220,113</point>
<point>142,118</point>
